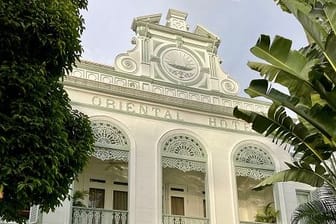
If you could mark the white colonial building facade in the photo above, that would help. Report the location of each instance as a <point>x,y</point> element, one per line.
<point>168,149</point>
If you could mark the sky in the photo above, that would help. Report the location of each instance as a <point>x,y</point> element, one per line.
<point>238,23</point>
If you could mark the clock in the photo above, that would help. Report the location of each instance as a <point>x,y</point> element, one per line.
<point>180,65</point>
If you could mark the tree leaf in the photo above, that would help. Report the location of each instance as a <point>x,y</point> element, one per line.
<point>294,174</point>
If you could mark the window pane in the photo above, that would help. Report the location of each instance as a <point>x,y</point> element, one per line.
<point>120,200</point>
<point>96,198</point>
<point>302,197</point>
<point>204,208</point>
<point>177,205</point>
<point>251,202</point>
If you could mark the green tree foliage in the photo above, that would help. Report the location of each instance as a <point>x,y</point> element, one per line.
<point>268,215</point>
<point>320,210</point>
<point>309,75</point>
<point>44,144</point>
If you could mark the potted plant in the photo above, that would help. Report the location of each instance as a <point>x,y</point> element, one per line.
<point>268,214</point>
<point>78,197</point>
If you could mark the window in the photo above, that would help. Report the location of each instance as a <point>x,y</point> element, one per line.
<point>204,208</point>
<point>120,200</point>
<point>251,202</point>
<point>302,196</point>
<point>177,205</point>
<point>183,160</point>
<point>252,164</point>
<point>96,198</point>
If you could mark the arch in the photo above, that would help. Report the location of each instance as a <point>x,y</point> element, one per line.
<point>184,176</point>
<point>252,162</point>
<point>184,152</point>
<point>111,142</point>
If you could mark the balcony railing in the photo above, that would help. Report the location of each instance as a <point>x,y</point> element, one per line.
<point>82,215</point>
<point>176,219</point>
<point>3,222</point>
<point>245,222</point>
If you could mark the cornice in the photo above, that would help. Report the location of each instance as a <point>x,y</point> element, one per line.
<point>107,69</point>
<point>186,34</point>
<point>146,96</point>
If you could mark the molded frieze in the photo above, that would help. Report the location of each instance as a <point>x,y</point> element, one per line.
<point>226,85</point>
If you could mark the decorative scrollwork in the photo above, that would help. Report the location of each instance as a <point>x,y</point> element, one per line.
<point>183,146</point>
<point>108,154</point>
<point>178,24</point>
<point>128,65</point>
<point>184,165</point>
<point>230,86</point>
<point>256,174</point>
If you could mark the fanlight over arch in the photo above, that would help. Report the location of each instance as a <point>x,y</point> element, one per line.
<point>253,161</point>
<point>110,141</point>
<point>183,152</point>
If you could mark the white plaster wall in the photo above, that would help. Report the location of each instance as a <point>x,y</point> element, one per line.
<point>145,177</point>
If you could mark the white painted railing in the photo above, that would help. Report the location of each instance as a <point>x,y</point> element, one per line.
<point>82,215</point>
<point>245,222</point>
<point>3,222</point>
<point>176,219</point>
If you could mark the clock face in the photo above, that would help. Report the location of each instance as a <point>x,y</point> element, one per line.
<point>180,65</point>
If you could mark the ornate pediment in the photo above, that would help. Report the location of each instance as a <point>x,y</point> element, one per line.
<point>171,53</point>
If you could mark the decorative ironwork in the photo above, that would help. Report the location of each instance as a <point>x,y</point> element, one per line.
<point>253,161</point>
<point>4,222</point>
<point>184,165</point>
<point>108,154</point>
<point>111,142</point>
<point>246,222</point>
<point>176,219</point>
<point>184,146</point>
<point>108,134</point>
<point>82,215</point>
<point>184,153</point>
<point>253,155</point>
<point>256,174</point>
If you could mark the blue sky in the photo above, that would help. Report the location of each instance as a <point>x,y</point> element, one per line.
<point>238,23</point>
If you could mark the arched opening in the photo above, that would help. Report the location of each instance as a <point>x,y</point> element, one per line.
<point>101,191</point>
<point>252,164</point>
<point>183,160</point>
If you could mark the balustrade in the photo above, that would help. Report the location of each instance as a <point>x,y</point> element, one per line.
<point>81,215</point>
<point>3,222</point>
<point>176,219</point>
<point>246,222</point>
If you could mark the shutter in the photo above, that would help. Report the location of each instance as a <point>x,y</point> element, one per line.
<point>33,214</point>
